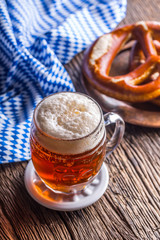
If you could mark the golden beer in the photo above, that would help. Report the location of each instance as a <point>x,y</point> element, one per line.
<point>62,172</point>
<point>68,140</point>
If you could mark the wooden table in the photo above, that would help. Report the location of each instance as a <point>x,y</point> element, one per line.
<point>130,207</point>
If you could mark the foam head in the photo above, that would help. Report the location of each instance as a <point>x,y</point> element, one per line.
<point>67,116</point>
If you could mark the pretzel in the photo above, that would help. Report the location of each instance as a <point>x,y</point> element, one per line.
<point>131,87</point>
<point>137,57</point>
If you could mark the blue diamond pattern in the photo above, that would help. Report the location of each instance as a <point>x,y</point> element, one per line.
<point>37,38</point>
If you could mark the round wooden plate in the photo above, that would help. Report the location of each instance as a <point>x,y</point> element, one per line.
<point>146,114</point>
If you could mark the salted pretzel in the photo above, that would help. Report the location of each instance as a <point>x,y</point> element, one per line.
<point>132,86</point>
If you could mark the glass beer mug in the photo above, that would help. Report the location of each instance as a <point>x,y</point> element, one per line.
<point>68,140</point>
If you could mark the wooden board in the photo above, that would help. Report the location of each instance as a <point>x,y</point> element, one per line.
<point>142,114</point>
<point>129,209</point>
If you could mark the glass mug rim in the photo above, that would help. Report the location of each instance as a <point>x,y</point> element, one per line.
<point>72,139</point>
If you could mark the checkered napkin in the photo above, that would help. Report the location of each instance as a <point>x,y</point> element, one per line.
<point>37,37</point>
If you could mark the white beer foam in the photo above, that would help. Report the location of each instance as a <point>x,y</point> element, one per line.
<point>68,118</point>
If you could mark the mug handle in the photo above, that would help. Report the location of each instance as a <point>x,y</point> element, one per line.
<point>118,133</point>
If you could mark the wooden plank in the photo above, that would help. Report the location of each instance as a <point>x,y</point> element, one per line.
<point>129,209</point>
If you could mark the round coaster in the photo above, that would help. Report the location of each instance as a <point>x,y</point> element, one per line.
<point>63,202</point>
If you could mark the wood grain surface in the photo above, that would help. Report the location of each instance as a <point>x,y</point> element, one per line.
<point>130,207</point>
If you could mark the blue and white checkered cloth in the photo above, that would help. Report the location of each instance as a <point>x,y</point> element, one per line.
<point>36,38</point>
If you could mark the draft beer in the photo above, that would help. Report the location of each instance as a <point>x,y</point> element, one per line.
<point>68,140</point>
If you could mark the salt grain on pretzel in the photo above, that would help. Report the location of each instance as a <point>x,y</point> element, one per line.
<point>130,87</point>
